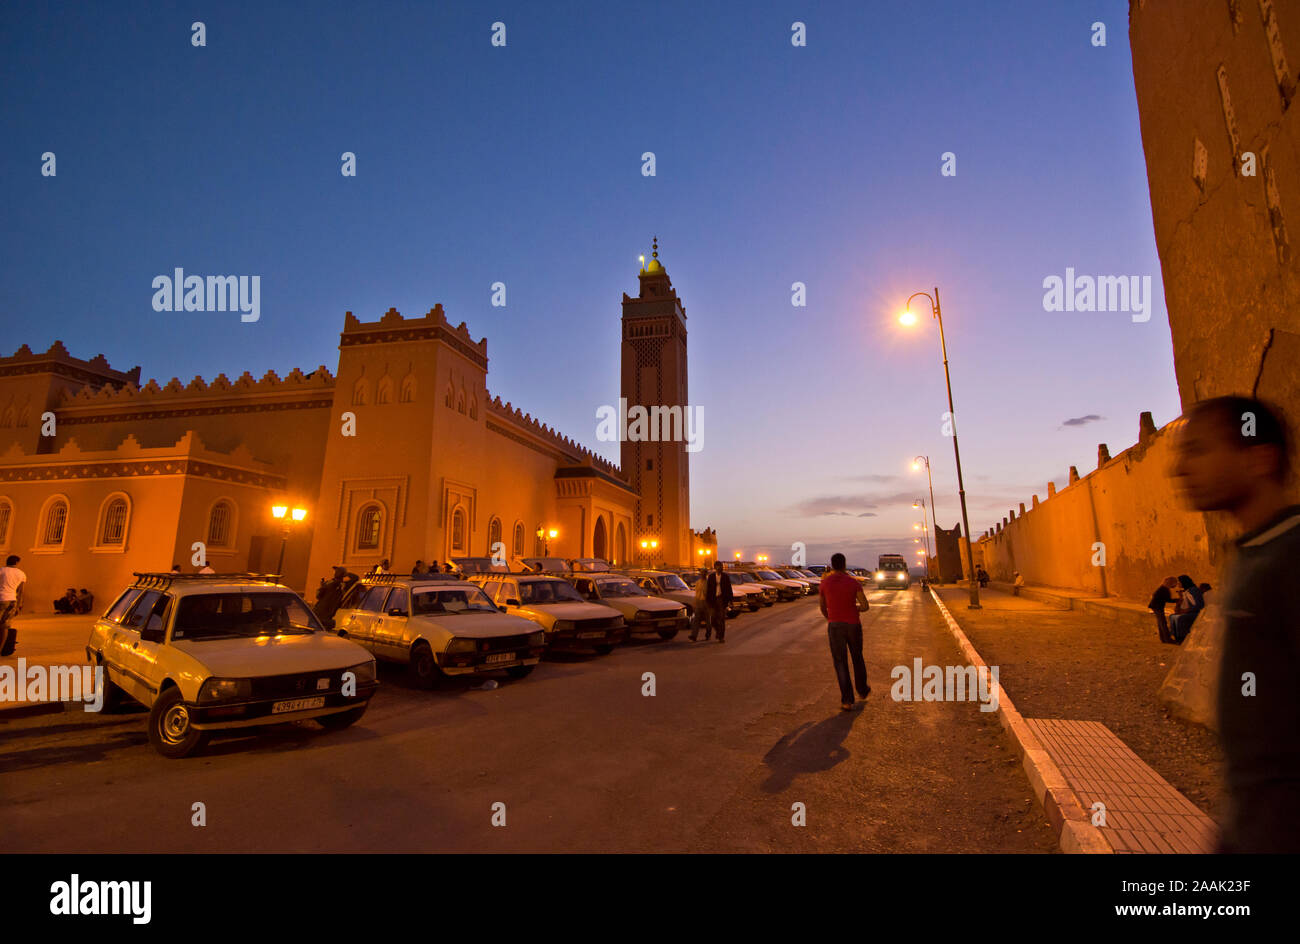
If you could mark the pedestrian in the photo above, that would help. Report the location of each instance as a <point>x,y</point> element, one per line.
<point>700,613</point>
<point>206,569</point>
<point>1017,584</point>
<point>419,569</point>
<point>447,568</point>
<point>330,595</point>
<point>1190,604</point>
<point>67,603</point>
<point>842,602</point>
<point>176,568</point>
<point>718,595</point>
<point>982,575</point>
<point>1163,595</point>
<point>1231,454</point>
<point>12,582</point>
<point>85,601</point>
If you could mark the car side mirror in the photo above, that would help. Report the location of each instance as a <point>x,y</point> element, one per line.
<point>152,635</point>
<point>397,611</point>
<point>512,602</point>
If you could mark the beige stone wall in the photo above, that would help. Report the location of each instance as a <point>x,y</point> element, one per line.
<point>1129,507</point>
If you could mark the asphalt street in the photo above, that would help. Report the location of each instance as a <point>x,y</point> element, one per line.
<point>716,760</point>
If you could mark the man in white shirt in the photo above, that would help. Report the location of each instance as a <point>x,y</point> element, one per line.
<point>12,581</point>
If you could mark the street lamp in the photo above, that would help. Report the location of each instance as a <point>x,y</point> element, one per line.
<point>907,319</point>
<point>546,536</point>
<point>649,545</point>
<point>934,525</point>
<point>286,517</point>
<point>920,503</point>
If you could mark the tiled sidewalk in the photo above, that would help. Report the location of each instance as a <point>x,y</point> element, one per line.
<point>1143,812</point>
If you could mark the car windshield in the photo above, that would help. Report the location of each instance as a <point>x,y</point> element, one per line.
<point>548,591</point>
<point>893,565</point>
<point>672,582</point>
<point>462,599</point>
<point>737,577</point>
<point>768,575</point>
<point>223,615</point>
<point>619,588</point>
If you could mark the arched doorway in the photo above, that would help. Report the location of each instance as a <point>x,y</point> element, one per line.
<point>599,539</point>
<point>620,545</point>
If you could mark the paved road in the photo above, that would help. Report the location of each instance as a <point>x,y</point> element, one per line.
<point>736,734</point>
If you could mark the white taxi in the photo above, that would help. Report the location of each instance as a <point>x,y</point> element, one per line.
<point>569,621</point>
<point>208,652</point>
<point>438,626</point>
<point>642,612</point>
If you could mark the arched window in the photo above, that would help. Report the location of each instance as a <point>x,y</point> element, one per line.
<point>369,528</point>
<point>620,545</point>
<point>451,396</point>
<point>473,407</point>
<point>494,535</point>
<point>6,516</point>
<point>54,524</point>
<point>408,389</point>
<point>385,392</point>
<point>460,402</point>
<point>458,530</point>
<point>113,520</point>
<point>361,393</point>
<point>519,539</point>
<point>221,524</point>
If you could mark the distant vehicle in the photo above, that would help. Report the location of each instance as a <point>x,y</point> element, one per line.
<point>743,596</point>
<point>204,652</point>
<point>786,589</point>
<point>819,569</point>
<point>642,612</point>
<point>478,565</point>
<point>892,573</point>
<point>812,580</point>
<point>546,565</point>
<point>588,565</point>
<point>437,627</point>
<point>551,602</point>
<point>767,595</point>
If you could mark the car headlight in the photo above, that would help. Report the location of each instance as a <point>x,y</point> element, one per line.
<point>223,689</point>
<point>562,626</point>
<point>643,615</point>
<point>537,639</point>
<point>365,672</point>
<point>880,575</point>
<point>461,645</point>
<point>902,576</point>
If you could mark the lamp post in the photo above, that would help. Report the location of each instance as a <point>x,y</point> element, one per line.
<point>287,518</point>
<point>934,525</point>
<point>920,503</point>
<point>545,536</point>
<point>907,318</point>
<point>649,545</point>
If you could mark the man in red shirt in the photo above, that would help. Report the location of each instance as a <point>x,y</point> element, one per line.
<point>842,599</point>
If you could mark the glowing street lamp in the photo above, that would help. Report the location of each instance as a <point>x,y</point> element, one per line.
<point>908,319</point>
<point>649,545</point>
<point>934,526</point>
<point>920,503</point>
<point>287,517</point>
<point>546,536</point>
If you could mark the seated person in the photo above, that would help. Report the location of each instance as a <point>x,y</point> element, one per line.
<point>1189,606</point>
<point>85,601</point>
<point>66,603</point>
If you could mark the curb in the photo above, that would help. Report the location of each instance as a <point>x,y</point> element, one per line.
<point>1071,823</point>
<point>30,710</point>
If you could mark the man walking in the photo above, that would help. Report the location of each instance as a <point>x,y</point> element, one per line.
<point>718,596</point>
<point>1231,454</point>
<point>842,599</point>
<point>12,581</point>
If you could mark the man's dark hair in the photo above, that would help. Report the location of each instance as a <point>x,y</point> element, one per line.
<point>1237,414</point>
<point>717,565</point>
<point>11,560</point>
<point>837,562</point>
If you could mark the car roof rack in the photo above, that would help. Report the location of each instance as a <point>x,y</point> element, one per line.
<point>161,580</point>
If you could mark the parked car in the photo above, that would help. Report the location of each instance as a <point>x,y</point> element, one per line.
<point>210,652</point>
<point>810,583</point>
<point>465,566</point>
<point>786,589</point>
<point>767,595</point>
<point>545,565</point>
<point>438,627</point>
<point>742,597</point>
<point>819,569</point>
<point>642,612</point>
<point>551,602</point>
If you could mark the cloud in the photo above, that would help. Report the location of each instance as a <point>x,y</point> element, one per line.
<point>1081,420</point>
<point>873,479</point>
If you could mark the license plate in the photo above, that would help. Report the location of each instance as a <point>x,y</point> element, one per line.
<point>297,704</point>
<point>501,657</point>
<point>599,635</point>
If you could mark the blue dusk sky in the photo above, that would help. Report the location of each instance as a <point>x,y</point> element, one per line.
<point>522,164</point>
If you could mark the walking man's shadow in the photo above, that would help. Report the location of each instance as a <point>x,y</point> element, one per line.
<point>809,748</point>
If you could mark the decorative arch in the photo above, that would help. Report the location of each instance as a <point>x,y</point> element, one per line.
<point>407,393</point>
<point>52,524</point>
<point>6,519</point>
<point>113,522</point>
<point>360,392</point>
<point>460,401</point>
<point>222,518</point>
<point>473,407</point>
<point>494,533</point>
<point>518,545</point>
<point>459,536</point>
<point>370,527</point>
<point>599,539</point>
<point>384,393</point>
<point>620,544</point>
<point>450,398</point>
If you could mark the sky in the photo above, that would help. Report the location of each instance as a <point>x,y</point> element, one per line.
<point>522,164</point>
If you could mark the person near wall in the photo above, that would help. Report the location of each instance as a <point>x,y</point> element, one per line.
<point>1162,597</point>
<point>85,601</point>
<point>982,576</point>
<point>1231,454</point>
<point>12,582</point>
<point>1017,584</point>
<point>67,603</point>
<point>700,612</point>
<point>1190,604</point>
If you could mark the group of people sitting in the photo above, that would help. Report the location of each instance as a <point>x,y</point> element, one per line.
<point>1188,598</point>
<point>422,570</point>
<point>75,601</point>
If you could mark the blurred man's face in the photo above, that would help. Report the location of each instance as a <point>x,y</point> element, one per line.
<point>1210,472</point>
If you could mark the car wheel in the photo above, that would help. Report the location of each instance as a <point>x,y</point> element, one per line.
<point>520,671</point>
<point>603,649</point>
<point>666,634</point>
<point>170,729</point>
<point>342,719</point>
<point>424,668</point>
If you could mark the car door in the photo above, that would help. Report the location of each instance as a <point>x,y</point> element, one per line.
<point>359,625</point>
<point>390,625</point>
<point>133,656</point>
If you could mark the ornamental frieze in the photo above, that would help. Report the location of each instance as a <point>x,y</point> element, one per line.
<point>143,468</point>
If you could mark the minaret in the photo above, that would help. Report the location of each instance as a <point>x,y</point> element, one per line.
<point>654,375</point>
